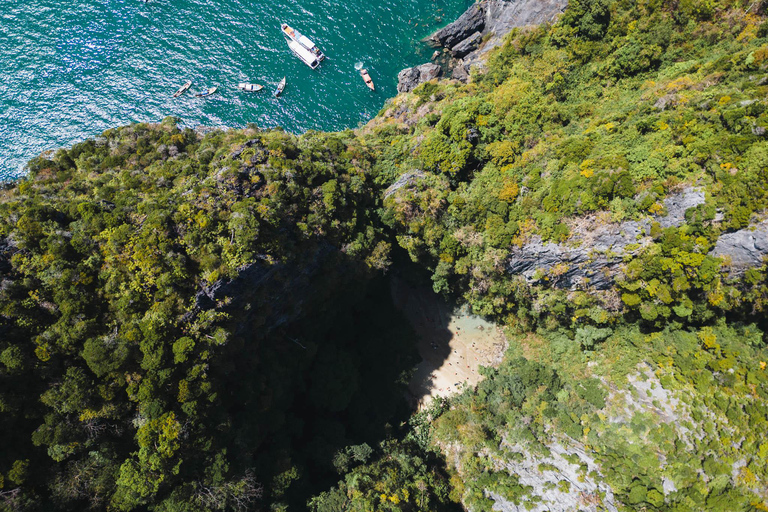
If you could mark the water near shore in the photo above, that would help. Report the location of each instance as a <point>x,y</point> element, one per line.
<point>74,69</point>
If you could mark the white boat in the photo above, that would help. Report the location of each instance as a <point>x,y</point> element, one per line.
<point>300,38</point>
<point>249,87</point>
<point>280,87</point>
<point>367,79</point>
<point>208,92</point>
<point>306,56</point>
<point>183,89</point>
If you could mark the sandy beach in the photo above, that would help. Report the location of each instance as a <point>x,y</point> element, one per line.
<point>453,344</point>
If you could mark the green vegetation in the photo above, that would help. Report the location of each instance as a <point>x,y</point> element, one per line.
<point>139,370</point>
<point>607,112</point>
<point>708,442</point>
<point>199,321</point>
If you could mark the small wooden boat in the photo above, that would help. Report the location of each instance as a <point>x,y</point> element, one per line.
<point>206,93</point>
<point>249,87</point>
<point>280,87</point>
<point>297,36</point>
<point>184,88</point>
<point>367,79</point>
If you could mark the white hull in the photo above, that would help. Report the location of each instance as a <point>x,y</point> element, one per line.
<point>303,54</point>
<point>249,87</point>
<point>304,41</point>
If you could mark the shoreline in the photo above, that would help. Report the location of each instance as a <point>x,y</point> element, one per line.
<point>463,44</point>
<point>76,105</point>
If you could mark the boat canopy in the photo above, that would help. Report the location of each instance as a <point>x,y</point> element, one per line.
<point>305,55</point>
<point>305,42</point>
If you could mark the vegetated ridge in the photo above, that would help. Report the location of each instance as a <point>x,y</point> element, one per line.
<point>198,321</point>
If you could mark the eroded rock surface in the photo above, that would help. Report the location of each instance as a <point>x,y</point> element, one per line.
<point>592,257</point>
<point>677,204</point>
<point>745,248</point>
<point>560,484</point>
<point>406,180</point>
<point>484,25</point>
<point>466,46</point>
<point>473,20</point>
<point>409,78</point>
<point>562,266</point>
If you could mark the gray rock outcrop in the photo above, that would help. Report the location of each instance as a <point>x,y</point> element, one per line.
<point>745,248</point>
<point>466,46</point>
<point>482,27</point>
<point>593,258</point>
<point>461,72</point>
<point>562,266</point>
<point>409,78</point>
<point>558,484</point>
<point>406,180</point>
<point>677,204</point>
<point>473,20</point>
<point>501,16</point>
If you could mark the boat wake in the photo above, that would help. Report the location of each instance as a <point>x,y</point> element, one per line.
<point>358,66</point>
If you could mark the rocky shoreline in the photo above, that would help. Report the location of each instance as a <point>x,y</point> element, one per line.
<point>481,28</point>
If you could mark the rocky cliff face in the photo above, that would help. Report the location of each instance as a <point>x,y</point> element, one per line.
<point>284,291</point>
<point>545,474</point>
<point>473,20</point>
<point>745,248</point>
<point>482,27</point>
<point>409,78</point>
<point>501,16</point>
<point>593,256</point>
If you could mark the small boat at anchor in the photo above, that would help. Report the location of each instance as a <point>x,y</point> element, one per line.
<point>249,87</point>
<point>367,79</point>
<point>184,88</point>
<point>208,92</point>
<point>280,88</point>
<point>300,38</point>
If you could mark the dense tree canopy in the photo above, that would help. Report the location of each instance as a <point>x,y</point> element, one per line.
<point>198,320</point>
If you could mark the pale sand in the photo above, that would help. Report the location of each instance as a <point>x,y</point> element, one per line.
<point>452,343</point>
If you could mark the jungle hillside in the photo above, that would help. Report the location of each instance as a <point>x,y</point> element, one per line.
<point>198,320</point>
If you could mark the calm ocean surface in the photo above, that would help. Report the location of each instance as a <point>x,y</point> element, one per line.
<point>72,69</point>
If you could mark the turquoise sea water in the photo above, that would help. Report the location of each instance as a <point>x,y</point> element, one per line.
<point>71,69</point>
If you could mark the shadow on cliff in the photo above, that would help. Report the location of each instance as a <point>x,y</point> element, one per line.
<point>319,359</point>
<point>428,315</point>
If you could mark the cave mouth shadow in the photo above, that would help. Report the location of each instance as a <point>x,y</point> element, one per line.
<point>429,316</point>
<point>320,361</point>
<point>358,385</point>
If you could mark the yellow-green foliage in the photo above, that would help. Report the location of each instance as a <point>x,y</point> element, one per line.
<point>611,110</point>
<point>187,323</point>
<point>714,375</point>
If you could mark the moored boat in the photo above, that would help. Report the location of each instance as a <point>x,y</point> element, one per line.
<point>367,79</point>
<point>208,92</point>
<point>184,88</point>
<point>249,87</point>
<point>306,56</point>
<point>280,88</point>
<point>303,40</point>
